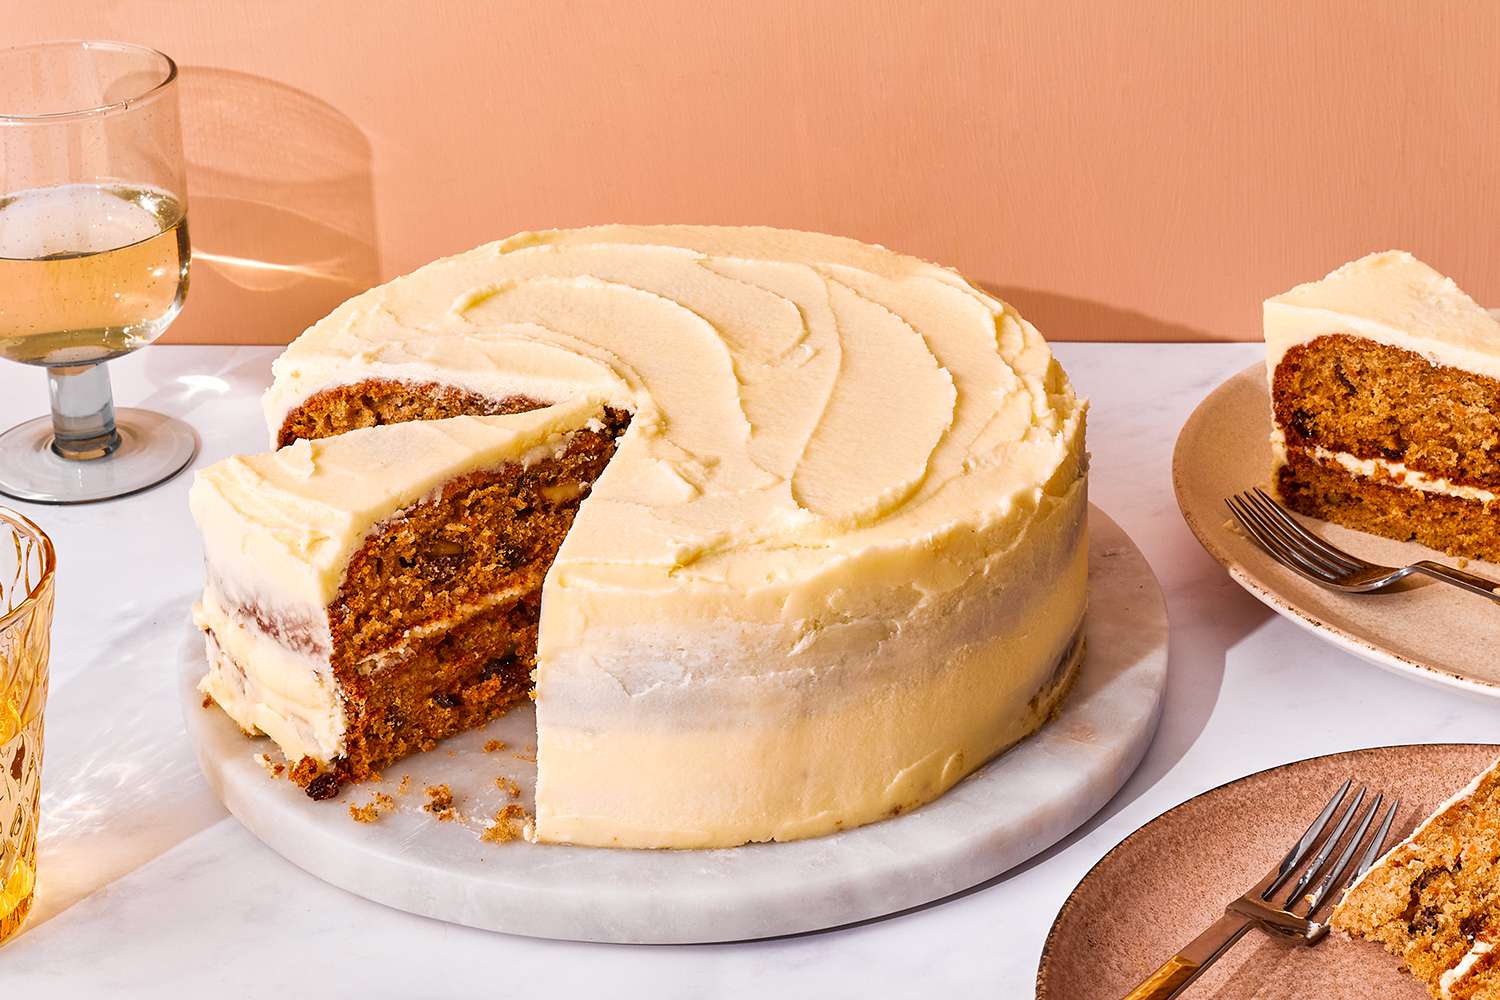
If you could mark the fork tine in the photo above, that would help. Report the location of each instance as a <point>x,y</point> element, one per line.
<point>1292,537</point>
<point>1325,887</point>
<point>1263,537</point>
<point>1280,513</point>
<point>1374,850</point>
<point>1293,860</point>
<point>1267,540</point>
<point>1330,843</point>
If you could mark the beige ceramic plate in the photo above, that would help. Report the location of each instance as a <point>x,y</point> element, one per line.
<point>1422,628</point>
<point>1171,878</point>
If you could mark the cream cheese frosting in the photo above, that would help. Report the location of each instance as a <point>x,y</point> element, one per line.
<point>837,561</point>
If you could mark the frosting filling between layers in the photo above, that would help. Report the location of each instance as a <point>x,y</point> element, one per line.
<point>1383,470</point>
<point>1465,965</point>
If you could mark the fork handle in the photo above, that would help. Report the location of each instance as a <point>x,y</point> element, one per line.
<point>1468,581</point>
<point>1193,960</point>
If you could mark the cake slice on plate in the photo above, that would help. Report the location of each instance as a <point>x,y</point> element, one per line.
<point>372,593</point>
<point>1385,400</point>
<point>1434,899</point>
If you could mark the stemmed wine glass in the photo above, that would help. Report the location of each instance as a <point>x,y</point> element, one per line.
<point>93,259</point>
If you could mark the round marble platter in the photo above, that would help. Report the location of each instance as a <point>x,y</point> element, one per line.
<point>1006,812</point>
<point>1422,628</point>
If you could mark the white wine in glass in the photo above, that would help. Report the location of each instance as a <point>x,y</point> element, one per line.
<point>88,272</point>
<point>94,259</point>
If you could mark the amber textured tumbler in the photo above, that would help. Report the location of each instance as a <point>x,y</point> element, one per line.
<point>27,563</point>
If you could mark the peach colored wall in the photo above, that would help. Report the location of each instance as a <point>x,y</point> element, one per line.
<point>1119,170</point>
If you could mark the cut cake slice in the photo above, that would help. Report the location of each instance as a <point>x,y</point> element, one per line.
<point>370,593</point>
<point>1434,899</point>
<point>1385,399</point>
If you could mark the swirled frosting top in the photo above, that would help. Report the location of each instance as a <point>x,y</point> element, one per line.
<point>798,400</point>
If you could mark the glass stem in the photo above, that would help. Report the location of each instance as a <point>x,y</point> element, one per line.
<point>83,412</point>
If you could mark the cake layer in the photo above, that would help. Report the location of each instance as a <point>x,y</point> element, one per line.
<point>1325,488</point>
<point>838,460</point>
<point>1376,402</point>
<point>384,401</point>
<point>1436,895</point>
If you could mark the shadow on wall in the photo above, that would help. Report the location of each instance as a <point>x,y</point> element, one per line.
<point>1062,317</point>
<point>281,208</point>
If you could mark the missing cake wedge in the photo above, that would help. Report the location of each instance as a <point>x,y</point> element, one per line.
<point>371,593</point>
<point>1434,899</point>
<point>1385,400</point>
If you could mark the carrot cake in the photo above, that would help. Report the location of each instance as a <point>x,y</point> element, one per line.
<point>784,532</point>
<point>1385,398</point>
<point>1434,899</point>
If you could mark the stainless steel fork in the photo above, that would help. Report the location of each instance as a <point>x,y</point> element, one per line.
<point>1265,906</point>
<point>1304,553</point>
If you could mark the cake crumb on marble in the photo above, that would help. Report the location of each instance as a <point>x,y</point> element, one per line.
<point>371,811</point>
<point>440,803</point>
<point>509,823</point>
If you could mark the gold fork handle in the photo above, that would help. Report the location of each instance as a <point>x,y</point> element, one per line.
<point>1189,963</point>
<point>1164,983</point>
<point>1468,581</point>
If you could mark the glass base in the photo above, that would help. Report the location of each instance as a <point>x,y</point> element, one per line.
<point>153,448</point>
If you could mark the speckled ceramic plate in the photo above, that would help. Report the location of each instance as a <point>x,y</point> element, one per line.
<point>1422,628</point>
<point>1171,878</point>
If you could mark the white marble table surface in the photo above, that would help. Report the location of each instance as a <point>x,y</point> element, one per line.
<point>148,888</point>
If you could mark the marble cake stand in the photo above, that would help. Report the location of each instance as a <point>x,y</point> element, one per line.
<point>1013,808</point>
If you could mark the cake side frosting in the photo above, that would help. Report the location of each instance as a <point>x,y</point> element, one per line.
<point>849,510</point>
